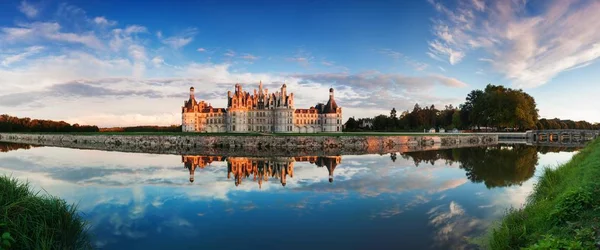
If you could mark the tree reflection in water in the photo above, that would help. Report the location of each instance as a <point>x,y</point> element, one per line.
<point>496,166</point>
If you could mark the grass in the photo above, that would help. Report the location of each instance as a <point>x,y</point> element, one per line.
<point>37,221</point>
<point>563,212</point>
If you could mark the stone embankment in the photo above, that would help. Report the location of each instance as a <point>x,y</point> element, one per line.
<point>259,145</point>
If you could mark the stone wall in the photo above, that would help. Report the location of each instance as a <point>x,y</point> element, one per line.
<point>253,145</point>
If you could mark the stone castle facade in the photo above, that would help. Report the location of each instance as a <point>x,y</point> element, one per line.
<point>260,111</point>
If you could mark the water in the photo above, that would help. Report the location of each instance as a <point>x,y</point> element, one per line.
<point>419,200</point>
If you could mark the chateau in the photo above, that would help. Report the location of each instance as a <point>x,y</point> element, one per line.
<point>260,111</point>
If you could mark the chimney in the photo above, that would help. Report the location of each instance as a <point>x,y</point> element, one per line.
<point>192,93</point>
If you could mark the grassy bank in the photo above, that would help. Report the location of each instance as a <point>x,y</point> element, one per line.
<point>563,212</point>
<point>35,221</point>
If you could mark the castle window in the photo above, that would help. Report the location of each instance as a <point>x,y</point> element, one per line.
<point>338,128</point>
<point>233,129</point>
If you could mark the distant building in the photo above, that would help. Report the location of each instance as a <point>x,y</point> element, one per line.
<point>260,112</point>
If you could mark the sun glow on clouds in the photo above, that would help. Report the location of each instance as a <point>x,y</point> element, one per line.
<point>528,49</point>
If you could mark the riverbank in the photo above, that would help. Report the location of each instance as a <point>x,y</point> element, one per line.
<point>271,145</point>
<point>563,211</point>
<point>36,221</point>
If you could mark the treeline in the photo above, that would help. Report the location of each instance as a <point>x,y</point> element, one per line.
<point>565,124</point>
<point>495,108</point>
<point>172,128</point>
<point>15,124</point>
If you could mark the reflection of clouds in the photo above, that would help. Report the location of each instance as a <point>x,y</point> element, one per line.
<point>452,224</point>
<point>451,184</point>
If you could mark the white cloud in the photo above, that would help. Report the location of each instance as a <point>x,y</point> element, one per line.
<point>133,29</point>
<point>529,49</point>
<point>436,48</point>
<point>201,50</point>
<point>28,9</point>
<point>229,53</point>
<point>179,41</point>
<point>327,63</point>
<point>479,5</point>
<point>18,57</point>
<point>249,57</point>
<point>102,21</point>
<point>157,61</point>
<point>47,30</point>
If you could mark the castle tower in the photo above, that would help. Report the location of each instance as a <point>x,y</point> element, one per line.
<point>192,93</point>
<point>284,90</point>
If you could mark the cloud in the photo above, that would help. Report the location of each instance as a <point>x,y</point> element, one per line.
<point>133,29</point>
<point>301,57</point>
<point>33,32</point>
<point>437,49</point>
<point>249,57</point>
<point>442,69</point>
<point>180,40</point>
<point>229,53</point>
<point>327,63</point>
<point>420,66</point>
<point>158,61</point>
<point>102,21</point>
<point>528,48</point>
<point>201,50</point>
<point>300,60</point>
<point>29,10</point>
<point>18,57</point>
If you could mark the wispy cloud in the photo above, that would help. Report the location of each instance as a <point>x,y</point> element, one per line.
<point>249,57</point>
<point>18,57</point>
<point>47,30</point>
<point>180,40</point>
<point>527,48</point>
<point>229,53</point>
<point>28,9</point>
<point>133,29</point>
<point>102,21</point>
<point>420,66</point>
<point>201,50</point>
<point>327,63</point>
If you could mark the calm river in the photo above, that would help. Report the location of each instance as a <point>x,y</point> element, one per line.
<point>440,199</point>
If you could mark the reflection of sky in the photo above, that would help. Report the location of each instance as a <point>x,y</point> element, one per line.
<point>143,201</point>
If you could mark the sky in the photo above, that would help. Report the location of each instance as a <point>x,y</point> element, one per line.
<point>124,63</point>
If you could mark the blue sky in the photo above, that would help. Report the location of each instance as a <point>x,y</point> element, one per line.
<point>116,63</point>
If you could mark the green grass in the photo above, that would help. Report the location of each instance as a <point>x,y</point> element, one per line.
<point>563,212</point>
<point>38,221</point>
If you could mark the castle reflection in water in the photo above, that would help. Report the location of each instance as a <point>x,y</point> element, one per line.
<point>260,169</point>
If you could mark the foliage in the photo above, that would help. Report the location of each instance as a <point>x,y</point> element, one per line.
<point>563,211</point>
<point>6,240</point>
<point>500,107</point>
<point>39,221</point>
<point>15,124</point>
<point>172,128</point>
